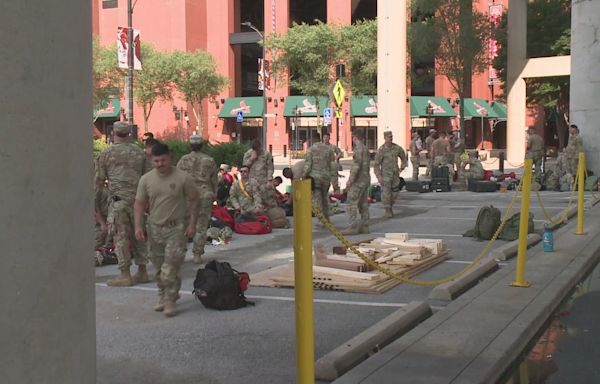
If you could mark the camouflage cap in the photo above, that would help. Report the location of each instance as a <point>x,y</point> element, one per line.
<point>387,133</point>
<point>195,139</point>
<point>121,127</point>
<point>432,130</point>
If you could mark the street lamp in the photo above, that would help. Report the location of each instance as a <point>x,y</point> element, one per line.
<point>264,80</point>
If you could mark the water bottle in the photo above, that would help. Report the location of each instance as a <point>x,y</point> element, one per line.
<point>548,239</point>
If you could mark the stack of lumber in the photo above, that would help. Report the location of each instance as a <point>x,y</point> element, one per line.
<point>344,271</point>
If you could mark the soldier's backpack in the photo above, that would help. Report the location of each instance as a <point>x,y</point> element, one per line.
<point>258,226</point>
<point>488,221</point>
<point>218,286</point>
<point>510,231</point>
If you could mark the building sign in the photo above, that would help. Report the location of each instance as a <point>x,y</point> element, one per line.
<point>433,108</point>
<point>307,107</point>
<point>372,109</point>
<point>123,48</point>
<point>243,109</point>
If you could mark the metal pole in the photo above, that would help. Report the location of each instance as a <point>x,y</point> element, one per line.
<point>580,190</point>
<point>305,343</point>
<point>130,53</point>
<point>523,227</point>
<point>264,120</point>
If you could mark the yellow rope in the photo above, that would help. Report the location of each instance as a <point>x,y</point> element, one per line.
<point>394,275</point>
<point>563,215</point>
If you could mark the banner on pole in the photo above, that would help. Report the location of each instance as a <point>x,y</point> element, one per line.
<point>267,74</point>
<point>123,48</point>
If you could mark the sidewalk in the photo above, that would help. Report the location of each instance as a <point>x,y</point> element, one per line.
<point>477,337</point>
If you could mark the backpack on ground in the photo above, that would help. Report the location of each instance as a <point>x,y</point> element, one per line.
<point>510,231</point>
<point>219,216</point>
<point>218,286</point>
<point>259,226</point>
<point>488,221</point>
<point>278,217</point>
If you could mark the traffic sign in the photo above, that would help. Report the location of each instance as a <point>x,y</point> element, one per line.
<point>338,113</point>
<point>338,93</point>
<point>327,116</point>
<point>240,117</point>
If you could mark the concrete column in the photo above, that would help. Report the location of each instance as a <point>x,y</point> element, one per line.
<point>47,326</point>
<point>517,56</point>
<point>585,77</point>
<point>391,71</point>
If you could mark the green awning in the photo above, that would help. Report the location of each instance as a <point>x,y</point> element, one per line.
<point>304,106</point>
<point>479,108</point>
<point>430,106</point>
<point>363,106</point>
<point>249,106</point>
<point>500,109</point>
<point>110,109</point>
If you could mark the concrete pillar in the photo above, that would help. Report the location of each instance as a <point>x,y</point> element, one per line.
<point>47,326</point>
<point>585,77</point>
<point>516,100</point>
<point>391,71</point>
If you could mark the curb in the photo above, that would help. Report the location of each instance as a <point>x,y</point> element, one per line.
<point>452,289</point>
<point>509,250</point>
<point>360,347</point>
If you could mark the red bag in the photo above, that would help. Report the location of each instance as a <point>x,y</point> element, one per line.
<point>487,175</point>
<point>261,226</point>
<point>222,214</point>
<point>504,176</point>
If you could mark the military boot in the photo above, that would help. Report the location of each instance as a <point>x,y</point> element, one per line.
<point>389,213</point>
<point>169,309</point>
<point>123,280</point>
<point>141,276</point>
<point>364,229</point>
<point>350,231</point>
<point>197,259</point>
<point>161,305</point>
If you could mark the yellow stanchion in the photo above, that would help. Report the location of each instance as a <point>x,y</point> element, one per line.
<point>580,191</point>
<point>524,372</point>
<point>523,226</point>
<point>305,342</point>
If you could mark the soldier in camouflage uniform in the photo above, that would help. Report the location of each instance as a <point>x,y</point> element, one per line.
<point>357,187</point>
<point>573,148</point>
<point>101,229</point>
<point>122,164</point>
<point>260,163</point>
<point>440,151</point>
<point>244,195</point>
<point>428,141</point>
<point>335,182</point>
<point>387,171</point>
<point>203,170</point>
<point>475,171</point>
<point>165,190</point>
<point>320,165</point>
<point>415,149</point>
<point>535,151</point>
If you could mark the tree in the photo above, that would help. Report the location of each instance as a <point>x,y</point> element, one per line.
<point>105,73</point>
<point>359,45</point>
<point>458,35</point>
<point>548,34</point>
<point>305,58</point>
<point>155,81</point>
<point>196,78</point>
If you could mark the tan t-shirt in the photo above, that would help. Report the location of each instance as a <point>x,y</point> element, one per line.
<point>167,195</point>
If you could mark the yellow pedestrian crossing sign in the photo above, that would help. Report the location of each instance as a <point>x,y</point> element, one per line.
<point>338,113</point>
<point>338,93</point>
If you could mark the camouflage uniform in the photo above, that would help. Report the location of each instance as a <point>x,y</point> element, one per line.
<point>386,168</point>
<point>101,238</point>
<point>572,150</point>
<point>360,178</point>
<point>458,149</point>
<point>166,226</point>
<point>440,149</point>
<point>335,182</point>
<point>415,161</point>
<point>245,197</point>
<point>428,142</point>
<point>475,171</point>
<point>535,151</point>
<point>261,170</point>
<point>320,165</point>
<point>203,170</point>
<point>122,165</point>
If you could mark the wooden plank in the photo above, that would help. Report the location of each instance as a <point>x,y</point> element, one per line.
<point>347,274</point>
<point>339,264</point>
<point>398,236</point>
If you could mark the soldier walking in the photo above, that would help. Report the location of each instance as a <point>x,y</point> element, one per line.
<point>260,164</point>
<point>121,165</point>
<point>203,170</point>
<point>574,146</point>
<point>415,149</point>
<point>535,151</point>
<point>320,165</point>
<point>357,187</point>
<point>387,171</point>
<point>165,190</point>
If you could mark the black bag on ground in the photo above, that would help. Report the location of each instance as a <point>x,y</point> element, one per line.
<point>510,231</point>
<point>488,221</point>
<point>217,286</point>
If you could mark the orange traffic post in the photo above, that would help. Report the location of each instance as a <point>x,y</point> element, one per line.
<point>305,338</point>
<point>580,191</point>
<point>523,227</point>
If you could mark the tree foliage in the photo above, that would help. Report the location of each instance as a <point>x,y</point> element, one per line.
<point>548,34</point>
<point>155,81</point>
<point>106,75</point>
<point>197,78</point>
<point>457,35</point>
<point>359,48</point>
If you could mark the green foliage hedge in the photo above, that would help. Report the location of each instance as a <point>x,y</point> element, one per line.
<point>223,153</point>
